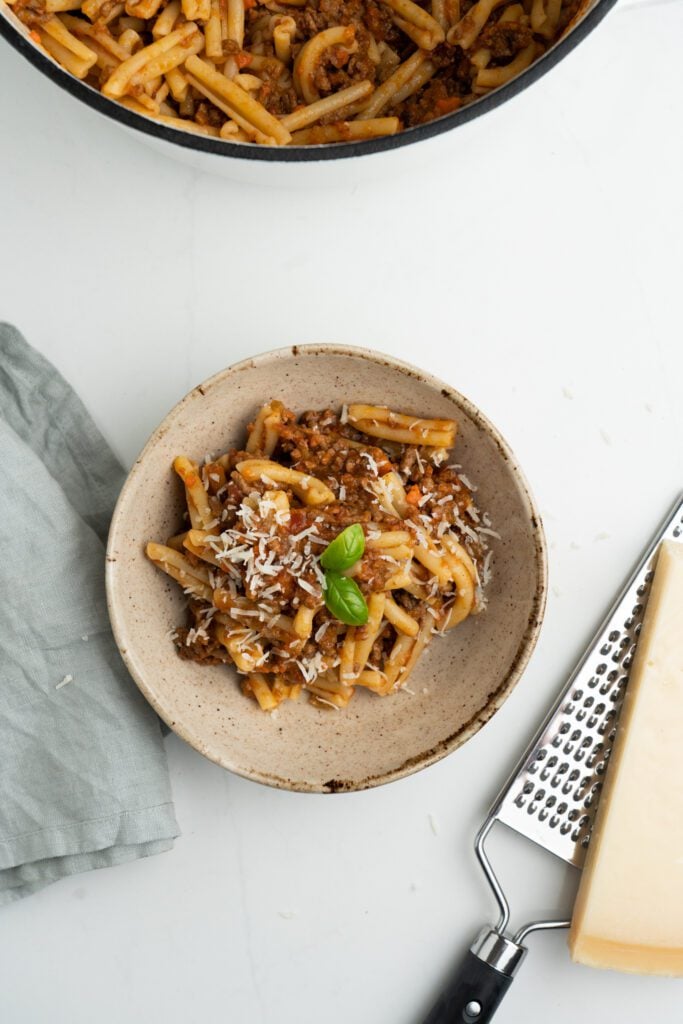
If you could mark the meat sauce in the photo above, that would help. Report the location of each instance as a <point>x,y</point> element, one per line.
<point>379,46</point>
<point>321,446</point>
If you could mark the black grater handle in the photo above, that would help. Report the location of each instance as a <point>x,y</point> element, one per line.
<point>476,989</point>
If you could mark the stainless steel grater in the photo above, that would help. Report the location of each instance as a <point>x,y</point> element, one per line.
<point>552,794</point>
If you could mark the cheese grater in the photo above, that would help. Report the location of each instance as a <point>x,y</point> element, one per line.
<point>552,794</point>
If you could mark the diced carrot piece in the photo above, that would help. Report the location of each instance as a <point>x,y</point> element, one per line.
<point>448,104</point>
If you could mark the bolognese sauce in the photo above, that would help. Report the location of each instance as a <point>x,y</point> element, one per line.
<point>287,72</point>
<point>326,554</point>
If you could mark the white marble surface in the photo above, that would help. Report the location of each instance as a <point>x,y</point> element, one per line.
<point>536,265</point>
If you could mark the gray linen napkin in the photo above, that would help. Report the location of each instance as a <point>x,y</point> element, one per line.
<point>83,774</point>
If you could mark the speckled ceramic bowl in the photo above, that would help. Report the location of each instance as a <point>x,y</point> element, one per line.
<point>461,680</point>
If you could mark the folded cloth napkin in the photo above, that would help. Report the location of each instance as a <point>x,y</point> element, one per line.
<point>83,774</point>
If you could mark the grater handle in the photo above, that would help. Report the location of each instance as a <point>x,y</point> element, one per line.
<point>476,989</point>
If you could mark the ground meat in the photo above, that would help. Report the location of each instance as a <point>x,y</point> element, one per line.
<point>208,114</point>
<point>205,650</point>
<point>380,650</point>
<point>317,419</point>
<point>506,40</point>
<point>362,14</point>
<point>273,559</point>
<point>374,570</point>
<point>366,59</point>
<point>31,12</point>
<point>408,461</point>
<point>311,451</point>
<point>279,99</point>
<point>439,485</point>
<point>333,634</point>
<point>406,600</point>
<point>444,93</point>
<point>340,67</point>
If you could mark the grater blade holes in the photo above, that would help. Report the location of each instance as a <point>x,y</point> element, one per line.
<point>562,776</point>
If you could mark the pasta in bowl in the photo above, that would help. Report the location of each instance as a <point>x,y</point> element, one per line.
<point>344,610</point>
<point>328,553</point>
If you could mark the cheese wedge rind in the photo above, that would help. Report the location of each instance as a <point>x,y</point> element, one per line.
<point>628,914</point>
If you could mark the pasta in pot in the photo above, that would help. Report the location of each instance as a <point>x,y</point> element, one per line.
<point>295,72</point>
<point>327,554</point>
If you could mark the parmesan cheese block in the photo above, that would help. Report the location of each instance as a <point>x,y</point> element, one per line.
<point>629,909</point>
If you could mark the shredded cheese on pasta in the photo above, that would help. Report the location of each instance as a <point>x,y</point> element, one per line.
<point>249,560</point>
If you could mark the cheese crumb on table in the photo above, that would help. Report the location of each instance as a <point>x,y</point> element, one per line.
<point>628,910</point>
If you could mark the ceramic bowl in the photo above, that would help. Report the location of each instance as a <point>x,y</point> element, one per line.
<point>461,680</point>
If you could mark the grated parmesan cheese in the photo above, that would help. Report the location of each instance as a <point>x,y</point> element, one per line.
<point>329,703</point>
<point>372,465</point>
<point>305,585</point>
<point>253,547</point>
<point>467,482</point>
<point>311,668</point>
<point>320,632</point>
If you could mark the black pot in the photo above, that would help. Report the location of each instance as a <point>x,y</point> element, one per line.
<point>16,34</point>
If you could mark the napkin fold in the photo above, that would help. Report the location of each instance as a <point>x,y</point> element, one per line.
<point>83,774</point>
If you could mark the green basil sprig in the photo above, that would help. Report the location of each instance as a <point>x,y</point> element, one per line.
<point>345,550</point>
<point>342,595</point>
<point>344,599</point>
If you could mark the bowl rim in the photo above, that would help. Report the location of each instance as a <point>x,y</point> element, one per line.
<point>518,662</point>
<point>300,154</point>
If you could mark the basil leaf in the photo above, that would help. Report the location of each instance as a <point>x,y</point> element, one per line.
<point>346,548</point>
<point>344,600</point>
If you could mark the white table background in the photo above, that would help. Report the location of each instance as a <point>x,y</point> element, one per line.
<point>538,268</point>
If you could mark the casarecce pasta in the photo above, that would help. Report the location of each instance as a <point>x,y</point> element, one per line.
<point>326,554</point>
<point>295,72</point>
